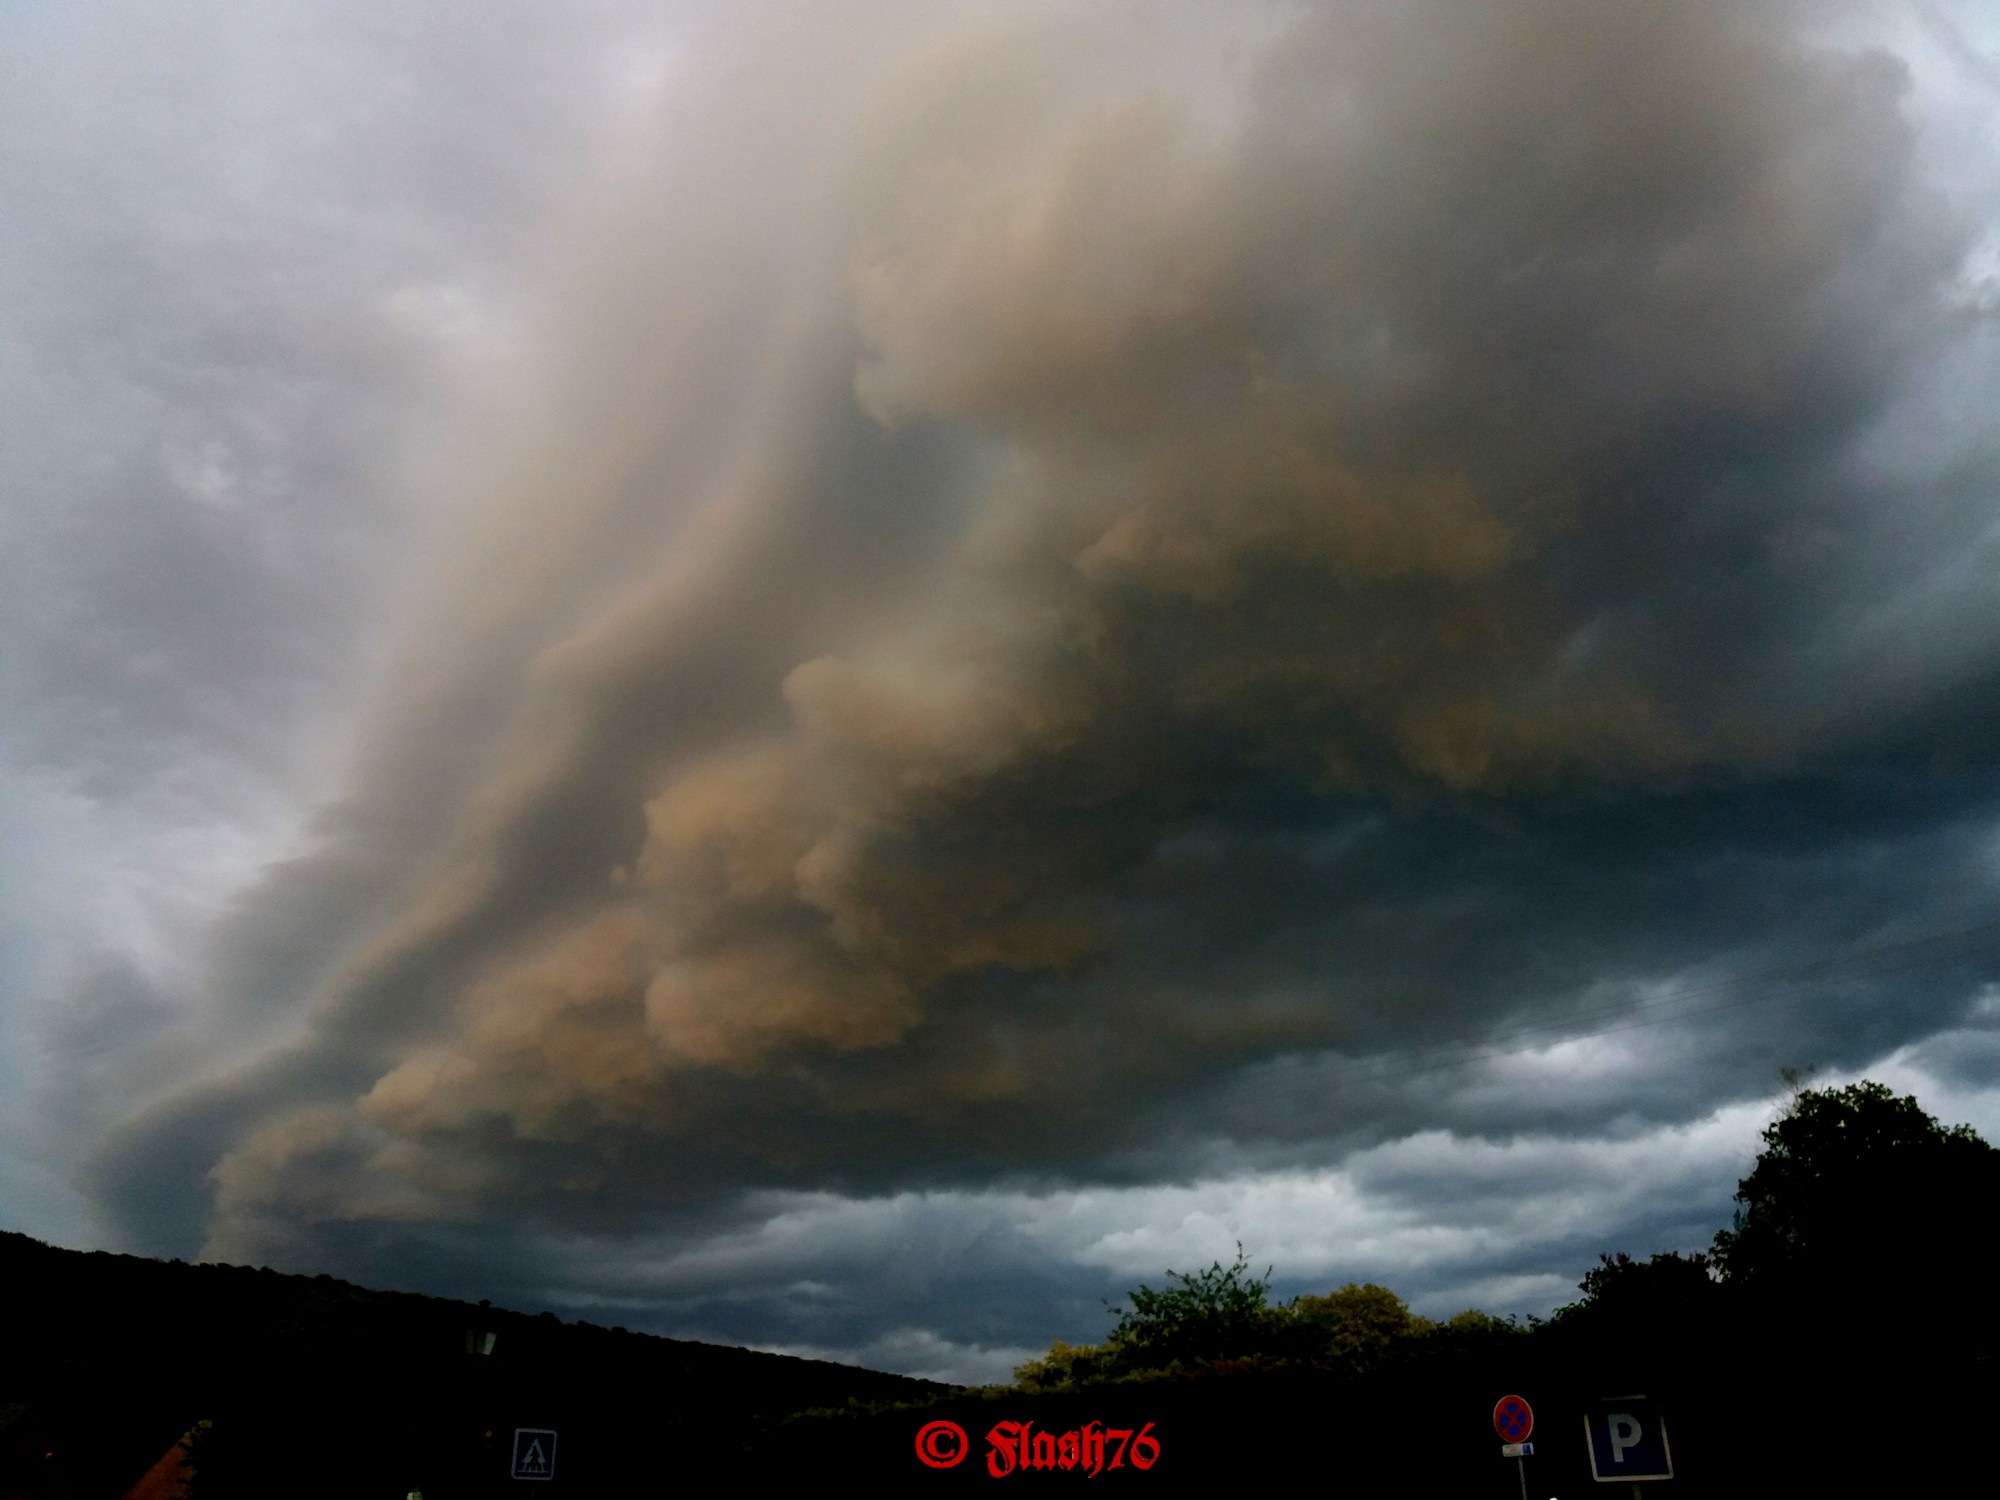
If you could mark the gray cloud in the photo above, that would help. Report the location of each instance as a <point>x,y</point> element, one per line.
<point>1051,598</point>
<point>250,249</point>
<point>1313,460</point>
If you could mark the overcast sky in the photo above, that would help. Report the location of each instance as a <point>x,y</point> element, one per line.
<point>842,676</point>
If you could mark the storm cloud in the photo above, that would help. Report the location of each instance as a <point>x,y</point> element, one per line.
<point>1061,605</point>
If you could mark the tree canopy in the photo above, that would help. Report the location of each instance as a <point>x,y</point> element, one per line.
<point>1856,1181</point>
<point>1856,1191</point>
<point>1358,1327</point>
<point>1665,1295</point>
<point>1223,1317</point>
<point>1212,1314</point>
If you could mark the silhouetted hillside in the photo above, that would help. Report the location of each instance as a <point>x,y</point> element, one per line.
<point>316,1386</point>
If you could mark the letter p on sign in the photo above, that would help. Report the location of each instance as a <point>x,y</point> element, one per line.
<point>1628,1440</point>
<point>1624,1434</point>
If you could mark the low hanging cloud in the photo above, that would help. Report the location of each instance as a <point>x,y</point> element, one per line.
<point>1036,562</point>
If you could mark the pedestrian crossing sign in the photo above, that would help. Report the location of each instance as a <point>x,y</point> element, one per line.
<point>534,1453</point>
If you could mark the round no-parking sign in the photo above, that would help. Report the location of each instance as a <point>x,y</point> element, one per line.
<point>1513,1419</point>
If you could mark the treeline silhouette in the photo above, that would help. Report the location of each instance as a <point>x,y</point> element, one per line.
<point>1838,1336</point>
<point>311,1386</point>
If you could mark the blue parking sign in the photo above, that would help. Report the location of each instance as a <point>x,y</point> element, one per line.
<point>1628,1441</point>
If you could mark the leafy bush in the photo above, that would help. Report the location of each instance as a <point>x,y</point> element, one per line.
<point>1064,1365</point>
<point>1358,1328</point>
<point>1222,1319</point>
<point>1220,1313</point>
<point>1474,1323</point>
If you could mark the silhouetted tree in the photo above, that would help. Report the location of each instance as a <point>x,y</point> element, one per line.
<point>1662,1295</point>
<point>1859,1191</point>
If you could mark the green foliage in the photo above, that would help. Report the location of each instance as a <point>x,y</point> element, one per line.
<point>1358,1327</point>
<point>1222,1318</point>
<point>1064,1365</point>
<point>1475,1324</point>
<point>1220,1313</point>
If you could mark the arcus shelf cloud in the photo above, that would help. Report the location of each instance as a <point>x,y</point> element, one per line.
<point>839,676</point>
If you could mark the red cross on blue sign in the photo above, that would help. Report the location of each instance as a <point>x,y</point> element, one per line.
<point>1513,1419</point>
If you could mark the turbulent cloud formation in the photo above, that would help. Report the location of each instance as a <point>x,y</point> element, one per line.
<point>1064,598</point>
